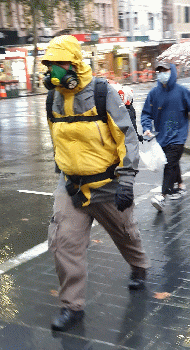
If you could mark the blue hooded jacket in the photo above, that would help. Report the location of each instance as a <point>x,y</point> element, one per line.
<point>167,107</point>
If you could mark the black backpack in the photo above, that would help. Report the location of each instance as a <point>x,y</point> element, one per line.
<point>100,93</point>
<point>100,102</point>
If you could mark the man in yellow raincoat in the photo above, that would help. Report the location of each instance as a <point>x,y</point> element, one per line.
<point>98,157</point>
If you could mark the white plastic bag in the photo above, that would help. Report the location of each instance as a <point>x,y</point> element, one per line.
<point>152,155</point>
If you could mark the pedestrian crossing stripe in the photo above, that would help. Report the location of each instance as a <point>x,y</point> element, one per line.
<point>24,257</point>
<point>35,192</point>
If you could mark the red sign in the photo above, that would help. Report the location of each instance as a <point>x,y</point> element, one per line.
<point>82,37</point>
<point>184,40</point>
<point>112,39</point>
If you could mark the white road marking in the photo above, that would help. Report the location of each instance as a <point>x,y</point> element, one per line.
<point>35,192</point>
<point>30,253</point>
<point>156,189</point>
<point>24,257</point>
<point>43,247</point>
<point>186,174</point>
<point>27,255</point>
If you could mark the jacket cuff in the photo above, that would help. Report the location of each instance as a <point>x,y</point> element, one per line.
<point>126,180</point>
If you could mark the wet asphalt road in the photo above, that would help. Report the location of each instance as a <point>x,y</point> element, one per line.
<point>27,172</point>
<point>26,164</point>
<point>114,317</point>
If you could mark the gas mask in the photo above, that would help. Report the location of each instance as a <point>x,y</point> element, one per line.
<point>58,76</point>
<point>163,77</point>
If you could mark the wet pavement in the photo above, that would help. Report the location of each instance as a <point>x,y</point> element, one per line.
<point>157,318</point>
<point>27,174</point>
<point>26,158</point>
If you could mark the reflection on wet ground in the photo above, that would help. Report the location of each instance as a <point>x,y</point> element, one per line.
<point>27,163</point>
<point>157,318</point>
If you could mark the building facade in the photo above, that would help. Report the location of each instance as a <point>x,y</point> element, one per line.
<point>181,20</point>
<point>167,19</point>
<point>97,15</point>
<point>141,20</point>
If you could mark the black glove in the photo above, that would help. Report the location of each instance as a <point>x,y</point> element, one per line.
<point>124,197</point>
<point>140,137</point>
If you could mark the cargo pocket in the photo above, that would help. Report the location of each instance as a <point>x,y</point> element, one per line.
<point>130,225</point>
<point>52,235</point>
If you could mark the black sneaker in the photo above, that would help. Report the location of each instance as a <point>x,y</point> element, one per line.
<point>67,319</point>
<point>178,193</point>
<point>137,278</point>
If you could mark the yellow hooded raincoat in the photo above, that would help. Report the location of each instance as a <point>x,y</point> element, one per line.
<point>90,147</point>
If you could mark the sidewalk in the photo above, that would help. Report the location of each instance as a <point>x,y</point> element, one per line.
<point>157,318</point>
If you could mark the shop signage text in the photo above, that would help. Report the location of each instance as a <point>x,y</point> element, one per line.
<point>184,40</point>
<point>86,37</point>
<point>82,37</point>
<point>114,39</point>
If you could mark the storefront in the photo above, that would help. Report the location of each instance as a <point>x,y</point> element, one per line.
<point>146,56</point>
<point>130,61</point>
<point>14,71</point>
<point>14,66</point>
<point>107,55</point>
<point>118,58</point>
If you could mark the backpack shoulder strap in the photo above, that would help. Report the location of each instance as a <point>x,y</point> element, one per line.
<point>49,103</point>
<point>100,93</point>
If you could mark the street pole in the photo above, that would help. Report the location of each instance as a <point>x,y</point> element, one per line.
<point>94,59</point>
<point>132,55</point>
<point>35,40</point>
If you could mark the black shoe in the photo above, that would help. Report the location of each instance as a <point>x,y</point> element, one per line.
<point>137,278</point>
<point>66,319</point>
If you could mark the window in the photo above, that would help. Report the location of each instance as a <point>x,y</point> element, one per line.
<point>179,14</point>
<point>135,20</point>
<point>187,17</point>
<point>121,20</point>
<point>128,21</point>
<point>185,35</point>
<point>104,14</point>
<point>151,21</point>
<point>124,21</point>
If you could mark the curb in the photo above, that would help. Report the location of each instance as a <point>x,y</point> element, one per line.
<point>34,94</point>
<point>24,95</point>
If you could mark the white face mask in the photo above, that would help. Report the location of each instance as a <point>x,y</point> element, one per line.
<point>163,77</point>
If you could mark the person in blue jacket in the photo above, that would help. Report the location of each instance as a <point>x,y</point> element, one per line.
<point>166,111</point>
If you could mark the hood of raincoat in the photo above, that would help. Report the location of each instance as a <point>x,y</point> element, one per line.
<point>172,80</point>
<point>66,48</point>
<point>167,106</point>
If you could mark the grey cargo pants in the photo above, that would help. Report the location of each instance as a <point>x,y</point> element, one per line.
<point>69,235</point>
